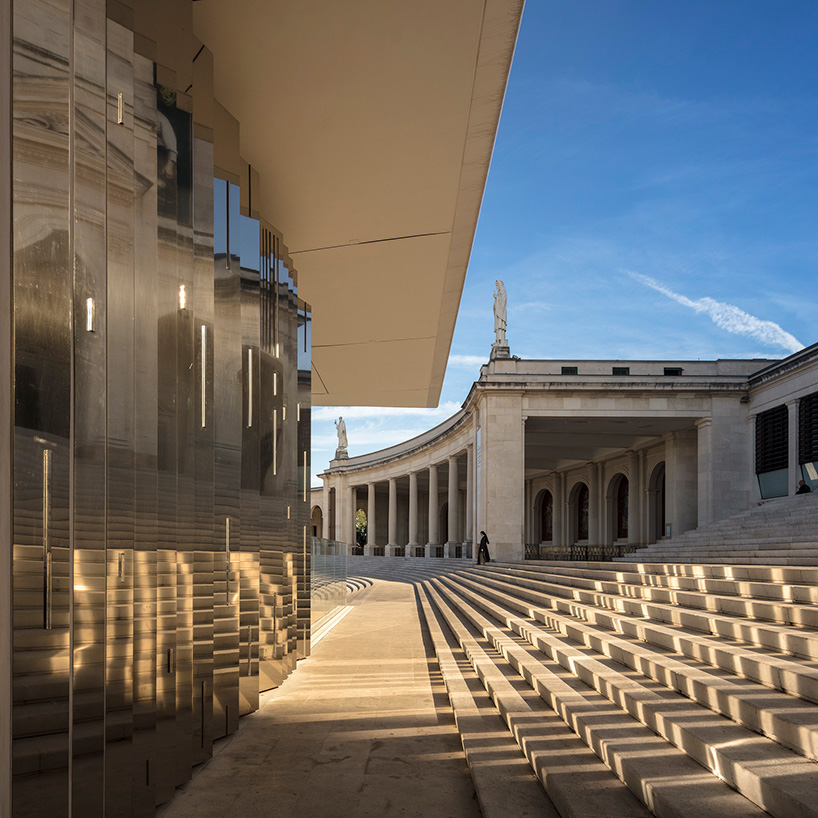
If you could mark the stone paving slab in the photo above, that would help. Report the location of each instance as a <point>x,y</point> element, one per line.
<point>363,728</point>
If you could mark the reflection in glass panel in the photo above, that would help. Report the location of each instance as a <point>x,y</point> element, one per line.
<point>774,483</point>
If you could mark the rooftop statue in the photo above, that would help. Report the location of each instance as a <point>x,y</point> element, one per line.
<point>500,314</point>
<point>341,429</point>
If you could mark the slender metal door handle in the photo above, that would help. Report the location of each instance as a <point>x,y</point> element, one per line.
<point>47,556</point>
<point>249,388</point>
<point>204,375</point>
<point>227,551</point>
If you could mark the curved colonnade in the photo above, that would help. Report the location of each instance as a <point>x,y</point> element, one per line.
<point>418,498</point>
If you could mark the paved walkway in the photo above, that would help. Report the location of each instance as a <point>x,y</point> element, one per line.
<point>363,728</point>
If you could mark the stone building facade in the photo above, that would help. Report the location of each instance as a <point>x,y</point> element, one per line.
<point>554,454</point>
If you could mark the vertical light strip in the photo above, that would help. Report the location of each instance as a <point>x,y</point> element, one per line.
<point>227,550</point>
<point>249,388</point>
<point>275,441</point>
<point>275,383</point>
<point>305,475</point>
<point>204,375</point>
<point>298,412</point>
<point>47,567</point>
<point>89,314</point>
<point>120,110</point>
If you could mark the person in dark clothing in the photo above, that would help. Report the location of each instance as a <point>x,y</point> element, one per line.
<point>803,488</point>
<point>483,550</point>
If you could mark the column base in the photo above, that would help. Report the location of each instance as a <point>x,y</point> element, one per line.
<point>451,548</point>
<point>430,549</point>
<point>369,550</point>
<point>467,549</point>
<point>389,549</point>
<point>410,549</point>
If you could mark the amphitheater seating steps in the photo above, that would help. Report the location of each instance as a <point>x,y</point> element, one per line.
<point>781,531</point>
<point>635,689</point>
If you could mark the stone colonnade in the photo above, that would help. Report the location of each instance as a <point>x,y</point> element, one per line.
<point>417,511</point>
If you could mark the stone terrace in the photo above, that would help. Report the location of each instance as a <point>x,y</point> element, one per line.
<point>627,689</point>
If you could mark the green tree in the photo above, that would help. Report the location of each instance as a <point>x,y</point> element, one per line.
<point>360,527</point>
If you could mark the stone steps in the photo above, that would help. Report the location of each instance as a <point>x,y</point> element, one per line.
<point>783,529</point>
<point>801,641</point>
<point>700,718</point>
<point>794,613</point>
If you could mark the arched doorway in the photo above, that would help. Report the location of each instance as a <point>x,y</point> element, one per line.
<point>656,504</point>
<point>580,499</point>
<point>546,517</point>
<point>621,508</point>
<point>317,522</point>
<point>360,531</point>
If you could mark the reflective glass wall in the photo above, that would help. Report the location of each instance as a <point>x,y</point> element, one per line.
<point>160,561</point>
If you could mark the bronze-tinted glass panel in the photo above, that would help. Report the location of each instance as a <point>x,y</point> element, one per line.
<point>90,391</point>
<point>42,346</point>
<point>146,301</point>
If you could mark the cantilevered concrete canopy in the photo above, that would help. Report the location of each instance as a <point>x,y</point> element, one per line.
<point>371,123</point>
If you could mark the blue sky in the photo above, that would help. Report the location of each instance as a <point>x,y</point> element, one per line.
<point>653,194</point>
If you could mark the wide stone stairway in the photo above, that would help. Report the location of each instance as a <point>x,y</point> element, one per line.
<point>778,532</point>
<point>679,690</point>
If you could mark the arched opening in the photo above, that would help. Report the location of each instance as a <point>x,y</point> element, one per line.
<point>656,503</point>
<point>546,516</point>
<point>617,497</point>
<point>317,521</point>
<point>578,510</point>
<point>621,509</point>
<point>360,531</point>
<point>443,523</point>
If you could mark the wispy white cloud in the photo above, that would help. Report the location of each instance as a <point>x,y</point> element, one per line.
<point>380,412</point>
<point>530,306</point>
<point>467,361</point>
<point>728,317</point>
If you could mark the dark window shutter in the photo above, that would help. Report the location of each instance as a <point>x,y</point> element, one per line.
<point>808,429</point>
<point>771,440</point>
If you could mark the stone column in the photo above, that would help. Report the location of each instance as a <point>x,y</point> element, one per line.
<point>752,477</point>
<point>557,511</point>
<point>453,540</point>
<point>634,500</point>
<point>325,516</point>
<point>468,539</point>
<point>704,427</point>
<point>434,533</point>
<point>349,524</point>
<point>793,472</point>
<point>413,514</point>
<point>504,452</point>
<point>369,548</point>
<point>593,504</point>
<point>681,481</point>
<point>392,518</point>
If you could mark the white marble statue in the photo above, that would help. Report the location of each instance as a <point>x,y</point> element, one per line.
<point>341,428</point>
<point>500,314</point>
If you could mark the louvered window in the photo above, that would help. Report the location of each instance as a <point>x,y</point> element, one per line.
<point>808,429</point>
<point>771,440</point>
